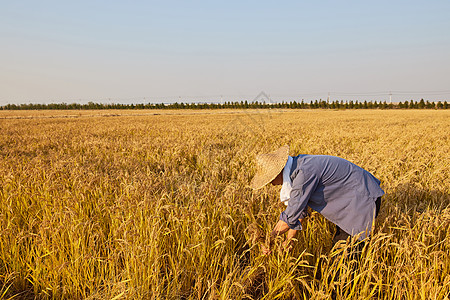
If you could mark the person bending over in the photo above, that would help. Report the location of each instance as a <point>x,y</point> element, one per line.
<point>345,194</point>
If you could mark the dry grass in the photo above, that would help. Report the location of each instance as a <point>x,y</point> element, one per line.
<point>156,206</point>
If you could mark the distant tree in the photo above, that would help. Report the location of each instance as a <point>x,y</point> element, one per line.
<point>322,104</point>
<point>421,104</point>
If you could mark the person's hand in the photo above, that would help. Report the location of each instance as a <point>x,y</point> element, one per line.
<point>265,250</point>
<point>287,245</point>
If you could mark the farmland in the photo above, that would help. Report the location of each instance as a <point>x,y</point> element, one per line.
<point>138,204</point>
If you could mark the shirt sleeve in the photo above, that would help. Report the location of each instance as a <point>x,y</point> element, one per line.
<point>303,187</point>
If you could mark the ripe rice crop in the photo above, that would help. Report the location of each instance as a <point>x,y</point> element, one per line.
<point>155,205</point>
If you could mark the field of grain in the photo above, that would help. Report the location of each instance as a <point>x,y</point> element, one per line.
<point>155,205</point>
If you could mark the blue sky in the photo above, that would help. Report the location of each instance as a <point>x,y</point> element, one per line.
<point>164,51</point>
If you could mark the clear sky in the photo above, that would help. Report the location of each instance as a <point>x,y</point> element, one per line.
<point>163,51</point>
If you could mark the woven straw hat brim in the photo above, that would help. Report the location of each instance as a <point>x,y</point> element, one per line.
<point>269,165</point>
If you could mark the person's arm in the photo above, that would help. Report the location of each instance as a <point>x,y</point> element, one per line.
<point>303,186</point>
<point>287,244</point>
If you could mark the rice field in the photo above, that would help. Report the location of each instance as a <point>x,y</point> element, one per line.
<point>156,205</point>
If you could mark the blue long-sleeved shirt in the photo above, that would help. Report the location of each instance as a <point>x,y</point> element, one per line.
<point>342,192</point>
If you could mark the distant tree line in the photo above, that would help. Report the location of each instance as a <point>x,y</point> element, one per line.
<point>240,105</point>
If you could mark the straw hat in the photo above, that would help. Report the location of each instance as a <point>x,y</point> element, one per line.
<point>269,166</point>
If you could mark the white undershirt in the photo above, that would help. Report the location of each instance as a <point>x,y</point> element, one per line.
<point>285,193</point>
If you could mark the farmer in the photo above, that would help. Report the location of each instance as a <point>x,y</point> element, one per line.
<point>342,192</point>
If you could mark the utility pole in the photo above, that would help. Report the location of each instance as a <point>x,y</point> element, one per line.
<point>390,97</point>
<point>328,98</point>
